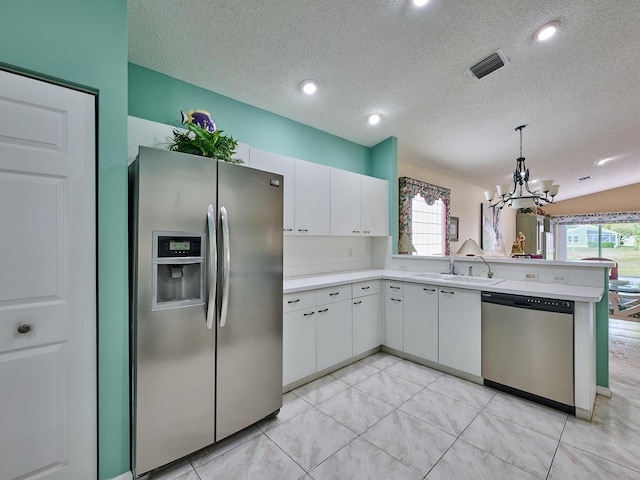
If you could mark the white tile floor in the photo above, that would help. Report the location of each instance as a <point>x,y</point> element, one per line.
<point>386,418</point>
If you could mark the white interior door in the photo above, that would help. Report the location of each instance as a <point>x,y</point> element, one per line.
<point>47,281</point>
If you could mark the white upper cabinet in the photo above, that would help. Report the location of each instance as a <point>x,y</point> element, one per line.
<point>374,206</point>
<point>312,192</point>
<point>359,204</point>
<point>285,166</point>
<point>345,203</point>
<point>319,200</point>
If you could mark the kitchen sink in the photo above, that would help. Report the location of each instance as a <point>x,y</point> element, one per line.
<point>460,279</point>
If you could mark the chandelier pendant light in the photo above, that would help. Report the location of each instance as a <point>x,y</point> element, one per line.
<point>520,195</point>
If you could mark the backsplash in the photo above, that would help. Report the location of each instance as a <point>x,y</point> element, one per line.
<point>317,255</point>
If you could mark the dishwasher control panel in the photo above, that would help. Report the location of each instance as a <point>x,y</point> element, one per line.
<point>533,303</point>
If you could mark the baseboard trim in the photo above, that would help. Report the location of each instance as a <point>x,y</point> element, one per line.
<point>123,476</point>
<point>604,391</point>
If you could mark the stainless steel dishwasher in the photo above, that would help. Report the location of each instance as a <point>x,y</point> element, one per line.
<point>527,348</point>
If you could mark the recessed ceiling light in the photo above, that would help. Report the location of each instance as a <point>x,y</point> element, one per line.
<point>546,31</point>
<point>605,160</point>
<point>374,119</point>
<point>309,86</point>
<point>420,3</point>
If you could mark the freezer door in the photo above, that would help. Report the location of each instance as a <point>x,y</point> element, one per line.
<point>249,327</point>
<point>173,351</point>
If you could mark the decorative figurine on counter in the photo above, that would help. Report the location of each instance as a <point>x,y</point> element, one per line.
<point>518,243</point>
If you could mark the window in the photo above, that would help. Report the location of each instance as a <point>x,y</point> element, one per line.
<point>615,236</point>
<point>424,216</point>
<point>427,226</point>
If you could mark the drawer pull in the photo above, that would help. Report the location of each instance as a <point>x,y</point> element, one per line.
<point>333,294</point>
<point>367,231</point>
<point>394,287</point>
<point>303,229</point>
<point>396,300</point>
<point>447,293</point>
<point>429,289</point>
<point>323,310</point>
<point>24,328</point>
<point>294,301</point>
<point>358,302</point>
<point>308,314</point>
<point>287,229</point>
<point>355,231</point>
<point>365,288</point>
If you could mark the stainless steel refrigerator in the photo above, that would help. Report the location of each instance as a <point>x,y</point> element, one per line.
<point>206,302</point>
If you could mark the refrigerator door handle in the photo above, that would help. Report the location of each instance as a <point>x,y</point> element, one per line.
<point>212,266</point>
<point>226,265</point>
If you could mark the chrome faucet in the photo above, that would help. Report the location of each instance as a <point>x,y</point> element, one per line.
<point>489,273</point>
<point>452,267</point>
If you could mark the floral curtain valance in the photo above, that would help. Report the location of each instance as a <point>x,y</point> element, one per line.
<point>409,188</point>
<point>596,218</point>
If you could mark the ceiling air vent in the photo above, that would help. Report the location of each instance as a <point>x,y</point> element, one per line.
<point>488,65</point>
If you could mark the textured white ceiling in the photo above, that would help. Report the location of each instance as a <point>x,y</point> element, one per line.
<point>579,93</point>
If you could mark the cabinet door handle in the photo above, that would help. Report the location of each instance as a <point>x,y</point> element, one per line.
<point>308,314</point>
<point>287,229</point>
<point>366,231</point>
<point>358,302</point>
<point>447,293</point>
<point>355,231</point>
<point>365,288</point>
<point>429,289</point>
<point>333,294</point>
<point>394,287</point>
<point>396,300</point>
<point>294,301</point>
<point>323,310</point>
<point>303,229</point>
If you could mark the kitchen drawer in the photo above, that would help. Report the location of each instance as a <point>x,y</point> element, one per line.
<point>362,289</point>
<point>393,288</point>
<point>333,294</point>
<point>298,301</point>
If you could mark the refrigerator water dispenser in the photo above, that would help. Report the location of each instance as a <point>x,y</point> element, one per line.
<point>178,270</point>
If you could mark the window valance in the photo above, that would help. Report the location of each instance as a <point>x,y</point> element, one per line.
<point>410,188</point>
<point>596,218</point>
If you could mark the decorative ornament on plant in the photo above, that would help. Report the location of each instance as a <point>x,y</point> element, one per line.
<point>203,138</point>
<point>201,118</point>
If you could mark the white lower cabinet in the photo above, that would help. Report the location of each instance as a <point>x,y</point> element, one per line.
<point>394,316</point>
<point>459,327</point>
<point>327,326</point>
<point>366,323</point>
<point>299,345</point>
<point>334,334</point>
<point>421,321</point>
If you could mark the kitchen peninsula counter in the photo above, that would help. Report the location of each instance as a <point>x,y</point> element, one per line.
<point>517,287</point>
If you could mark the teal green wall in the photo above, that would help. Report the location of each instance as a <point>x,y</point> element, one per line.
<point>84,42</point>
<point>384,164</point>
<point>157,97</point>
<point>602,336</point>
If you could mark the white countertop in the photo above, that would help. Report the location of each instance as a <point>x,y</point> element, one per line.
<point>517,287</point>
